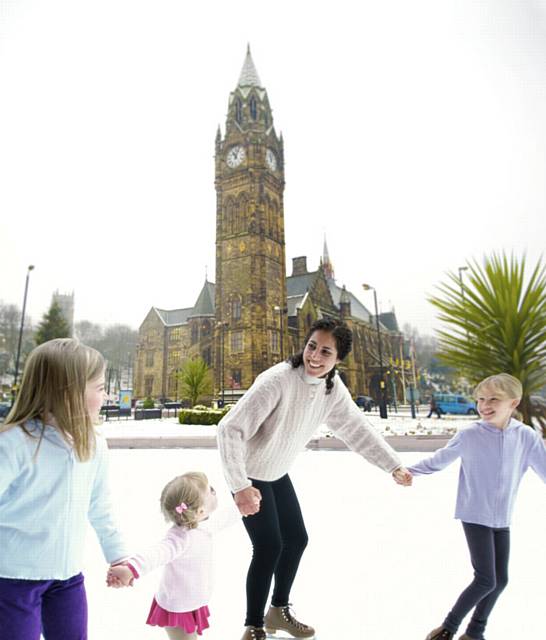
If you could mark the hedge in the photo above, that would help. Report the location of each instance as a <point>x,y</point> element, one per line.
<point>201,416</point>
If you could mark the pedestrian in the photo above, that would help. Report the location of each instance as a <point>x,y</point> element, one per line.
<point>53,481</point>
<point>495,452</point>
<point>434,408</point>
<point>259,440</point>
<point>180,604</point>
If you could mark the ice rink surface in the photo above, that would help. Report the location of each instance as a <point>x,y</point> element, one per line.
<point>383,561</point>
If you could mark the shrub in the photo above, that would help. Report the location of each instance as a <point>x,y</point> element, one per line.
<point>201,416</point>
<point>148,404</point>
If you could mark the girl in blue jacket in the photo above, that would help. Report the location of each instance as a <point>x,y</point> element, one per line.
<point>495,453</point>
<point>53,480</point>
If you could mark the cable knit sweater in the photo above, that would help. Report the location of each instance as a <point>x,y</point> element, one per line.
<point>263,433</point>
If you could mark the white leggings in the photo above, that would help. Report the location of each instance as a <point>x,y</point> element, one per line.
<point>175,633</point>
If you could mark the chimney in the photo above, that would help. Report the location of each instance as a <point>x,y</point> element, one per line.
<point>299,266</point>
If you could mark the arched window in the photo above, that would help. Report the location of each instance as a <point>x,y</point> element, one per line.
<point>253,108</point>
<point>194,332</point>
<point>238,111</point>
<point>230,211</point>
<point>242,213</point>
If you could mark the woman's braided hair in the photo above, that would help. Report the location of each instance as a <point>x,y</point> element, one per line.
<point>344,342</point>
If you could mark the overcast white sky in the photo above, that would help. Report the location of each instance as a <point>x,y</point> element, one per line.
<point>415,137</point>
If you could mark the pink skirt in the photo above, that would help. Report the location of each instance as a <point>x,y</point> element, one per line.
<point>190,621</point>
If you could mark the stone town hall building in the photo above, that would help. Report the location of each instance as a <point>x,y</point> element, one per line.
<point>255,315</point>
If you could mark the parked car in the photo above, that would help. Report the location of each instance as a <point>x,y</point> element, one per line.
<point>4,409</point>
<point>365,402</point>
<point>454,403</point>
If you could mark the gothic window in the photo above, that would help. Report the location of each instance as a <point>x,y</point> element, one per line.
<point>236,342</point>
<point>238,111</point>
<point>150,358</point>
<point>206,355</point>
<point>275,342</point>
<point>194,333</point>
<point>205,328</point>
<point>229,216</point>
<point>242,213</point>
<point>253,108</point>
<point>236,308</point>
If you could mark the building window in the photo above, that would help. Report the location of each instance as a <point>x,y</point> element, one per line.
<point>148,386</point>
<point>150,358</point>
<point>236,309</point>
<point>236,342</point>
<point>206,355</point>
<point>235,379</point>
<point>175,334</point>
<point>238,111</point>
<point>174,358</point>
<point>253,108</point>
<point>205,328</point>
<point>194,333</point>
<point>275,342</point>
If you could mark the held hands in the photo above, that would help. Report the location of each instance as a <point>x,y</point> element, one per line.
<point>248,501</point>
<point>402,476</point>
<point>119,576</point>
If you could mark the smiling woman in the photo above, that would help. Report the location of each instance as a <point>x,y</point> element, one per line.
<point>259,440</point>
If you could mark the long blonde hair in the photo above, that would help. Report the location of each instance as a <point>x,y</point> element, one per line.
<point>54,383</point>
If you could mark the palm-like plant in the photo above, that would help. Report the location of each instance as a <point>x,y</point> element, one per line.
<point>196,380</point>
<point>496,321</point>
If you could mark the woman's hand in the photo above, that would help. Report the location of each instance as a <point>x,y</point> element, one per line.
<point>119,576</point>
<point>402,476</point>
<point>248,501</point>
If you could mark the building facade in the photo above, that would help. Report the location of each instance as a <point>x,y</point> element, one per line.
<point>255,316</point>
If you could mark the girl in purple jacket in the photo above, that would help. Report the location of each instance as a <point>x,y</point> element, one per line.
<point>495,453</point>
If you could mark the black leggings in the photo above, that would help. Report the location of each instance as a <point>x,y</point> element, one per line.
<point>489,552</point>
<point>279,538</point>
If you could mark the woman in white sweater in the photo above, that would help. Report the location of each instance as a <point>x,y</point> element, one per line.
<point>258,442</point>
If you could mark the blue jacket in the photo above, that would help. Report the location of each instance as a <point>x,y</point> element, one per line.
<point>493,462</point>
<point>46,503</point>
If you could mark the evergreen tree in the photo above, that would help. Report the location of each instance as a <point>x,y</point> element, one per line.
<point>53,325</point>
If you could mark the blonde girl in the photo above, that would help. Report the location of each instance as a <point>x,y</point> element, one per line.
<point>495,452</point>
<point>53,480</point>
<point>180,602</point>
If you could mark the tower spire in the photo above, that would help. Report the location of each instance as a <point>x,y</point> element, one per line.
<point>326,264</point>
<point>249,76</point>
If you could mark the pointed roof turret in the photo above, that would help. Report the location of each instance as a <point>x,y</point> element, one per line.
<point>249,76</point>
<point>205,302</point>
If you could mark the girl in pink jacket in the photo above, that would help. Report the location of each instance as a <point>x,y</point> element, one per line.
<point>180,602</point>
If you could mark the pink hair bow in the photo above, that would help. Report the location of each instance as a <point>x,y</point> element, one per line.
<point>181,507</point>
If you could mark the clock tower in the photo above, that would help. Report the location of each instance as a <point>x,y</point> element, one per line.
<point>251,332</point>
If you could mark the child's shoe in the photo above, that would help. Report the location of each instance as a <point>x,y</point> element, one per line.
<point>441,633</point>
<point>254,633</point>
<point>281,619</point>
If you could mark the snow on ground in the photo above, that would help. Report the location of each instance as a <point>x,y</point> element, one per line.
<point>383,561</point>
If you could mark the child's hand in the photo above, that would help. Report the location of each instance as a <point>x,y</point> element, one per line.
<point>402,476</point>
<point>119,576</point>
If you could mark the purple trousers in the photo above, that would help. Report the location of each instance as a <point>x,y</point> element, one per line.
<point>55,608</point>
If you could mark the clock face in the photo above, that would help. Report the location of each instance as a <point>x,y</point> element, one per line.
<point>271,159</point>
<point>235,156</point>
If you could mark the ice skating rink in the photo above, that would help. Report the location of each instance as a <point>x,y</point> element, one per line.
<point>383,561</point>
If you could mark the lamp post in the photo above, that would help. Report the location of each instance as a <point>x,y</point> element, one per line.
<point>382,400</point>
<point>222,326</point>
<point>14,389</point>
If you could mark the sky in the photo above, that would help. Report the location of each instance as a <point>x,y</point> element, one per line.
<point>415,139</point>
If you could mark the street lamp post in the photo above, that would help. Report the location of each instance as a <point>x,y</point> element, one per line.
<point>29,269</point>
<point>222,326</point>
<point>382,400</point>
